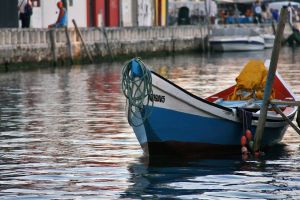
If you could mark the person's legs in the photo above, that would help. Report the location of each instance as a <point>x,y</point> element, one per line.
<point>23,20</point>
<point>26,22</point>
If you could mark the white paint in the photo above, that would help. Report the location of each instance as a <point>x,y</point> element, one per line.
<point>78,12</point>
<point>49,12</point>
<point>36,17</point>
<point>100,19</point>
<point>126,15</point>
<point>145,13</point>
<point>237,43</point>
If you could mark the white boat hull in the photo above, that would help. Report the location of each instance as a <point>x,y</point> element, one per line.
<point>269,40</point>
<point>237,43</point>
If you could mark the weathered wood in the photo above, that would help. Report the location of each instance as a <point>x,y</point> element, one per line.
<point>286,119</point>
<point>288,103</point>
<point>69,45</point>
<point>298,117</point>
<point>103,30</point>
<point>82,41</point>
<point>270,79</point>
<point>208,23</point>
<point>53,46</point>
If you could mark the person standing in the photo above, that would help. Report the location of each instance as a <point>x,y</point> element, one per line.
<point>25,12</point>
<point>257,12</point>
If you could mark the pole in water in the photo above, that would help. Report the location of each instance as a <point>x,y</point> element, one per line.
<point>207,11</point>
<point>270,80</point>
<point>82,41</point>
<point>107,42</point>
<point>298,117</point>
<point>53,46</point>
<point>69,45</point>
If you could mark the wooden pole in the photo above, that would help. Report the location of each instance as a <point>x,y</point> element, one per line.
<point>69,45</point>
<point>53,46</point>
<point>298,117</point>
<point>288,103</point>
<point>202,39</point>
<point>286,119</point>
<point>207,11</point>
<point>173,40</point>
<point>107,42</point>
<point>270,80</point>
<point>82,41</point>
<point>103,29</point>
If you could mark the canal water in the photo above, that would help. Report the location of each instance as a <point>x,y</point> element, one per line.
<point>64,135</point>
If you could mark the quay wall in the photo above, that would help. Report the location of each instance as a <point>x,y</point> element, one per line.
<point>37,45</point>
<point>40,45</point>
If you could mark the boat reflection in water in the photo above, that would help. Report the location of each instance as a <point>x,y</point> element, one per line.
<point>213,178</point>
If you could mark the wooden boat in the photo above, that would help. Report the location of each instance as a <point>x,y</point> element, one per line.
<point>236,39</point>
<point>171,120</point>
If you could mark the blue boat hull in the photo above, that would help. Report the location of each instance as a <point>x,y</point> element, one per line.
<point>170,132</point>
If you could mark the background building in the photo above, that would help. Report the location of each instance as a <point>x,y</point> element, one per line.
<point>145,13</point>
<point>45,12</point>
<point>103,13</point>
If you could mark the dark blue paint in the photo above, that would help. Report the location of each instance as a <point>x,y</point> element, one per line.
<point>168,125</point>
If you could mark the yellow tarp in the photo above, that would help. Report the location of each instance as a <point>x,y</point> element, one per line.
<point>251,82</point>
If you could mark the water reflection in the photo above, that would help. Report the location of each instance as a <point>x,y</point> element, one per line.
<point>197,178</point>
<point>64,135</point>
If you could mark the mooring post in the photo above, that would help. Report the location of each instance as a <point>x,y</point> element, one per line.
<point>103,29</point>
<point>82,41</point>
<point>69,45</point>
<point>207,11</point>
<point>53,46</point>
<point>107,42</point>
<point>173,40</point>
<point>270,80</point>
<point>298,117</point>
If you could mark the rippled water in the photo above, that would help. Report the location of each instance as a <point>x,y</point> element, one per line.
<point>64,135</point>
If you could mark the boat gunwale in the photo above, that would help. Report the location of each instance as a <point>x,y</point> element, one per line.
<point>232,110</point>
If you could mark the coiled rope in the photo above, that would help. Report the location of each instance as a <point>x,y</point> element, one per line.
<point>137,88</point>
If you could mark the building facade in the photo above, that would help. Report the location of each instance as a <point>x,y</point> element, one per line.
<point>103,13</point>
<point>90,13</point>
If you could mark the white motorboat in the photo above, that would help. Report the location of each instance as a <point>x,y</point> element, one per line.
<point>236,39</point>
<point>269,40</point>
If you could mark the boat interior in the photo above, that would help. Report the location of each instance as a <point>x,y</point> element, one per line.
<point>281,93</point>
